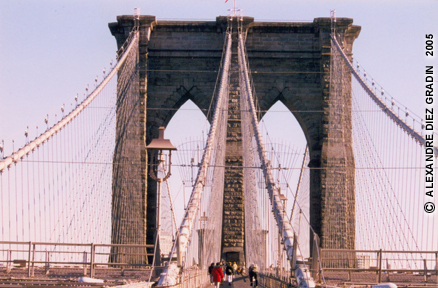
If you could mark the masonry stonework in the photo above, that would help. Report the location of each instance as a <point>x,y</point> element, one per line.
<point>233,219</point>
<point>290,63</point>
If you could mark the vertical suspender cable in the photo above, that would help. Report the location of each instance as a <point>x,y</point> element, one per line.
<point>282,219</point>
<point>195,197</point>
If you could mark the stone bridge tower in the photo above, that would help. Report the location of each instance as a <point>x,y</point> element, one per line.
<point>290,62</point>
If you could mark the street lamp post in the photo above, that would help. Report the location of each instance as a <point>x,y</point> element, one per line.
<point>158,158</point>
<point>201,236</point>
<point>283,199</point>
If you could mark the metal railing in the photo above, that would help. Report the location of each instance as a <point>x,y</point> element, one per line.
<point>192,278</point>
<point>382,265</point>
<point>87,258</point>
<point>364,267</point>
<point>34,259</point>
<point>276,279</point>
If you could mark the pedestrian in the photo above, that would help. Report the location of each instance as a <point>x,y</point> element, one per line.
<point>210,269</point>
<point>241,271</point>
<point>218,275</point>
<point>253,272</point>
<point>230,273</point>
<point>235,267</point>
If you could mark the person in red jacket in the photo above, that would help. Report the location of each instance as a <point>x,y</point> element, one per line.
<point>218,275</point>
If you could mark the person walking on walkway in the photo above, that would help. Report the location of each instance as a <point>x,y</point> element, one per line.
<point>218,275</point>
<point>230,273</point>
<point>241,271</point>
<point>253,273</point>
<point>235,267</point>
<point>210,269</point>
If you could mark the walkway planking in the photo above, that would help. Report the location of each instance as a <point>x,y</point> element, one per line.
<point>239,282</point>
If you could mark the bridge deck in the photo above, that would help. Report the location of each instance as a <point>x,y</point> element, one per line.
<point>69,277</point>
<point>239,282</point>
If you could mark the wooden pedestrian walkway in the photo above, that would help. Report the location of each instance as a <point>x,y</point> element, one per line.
<point>239,282</point>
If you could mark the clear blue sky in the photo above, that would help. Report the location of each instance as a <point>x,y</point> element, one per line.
<point>50,49</point>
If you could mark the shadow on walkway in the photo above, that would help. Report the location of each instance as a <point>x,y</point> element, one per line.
<point>239,282</point>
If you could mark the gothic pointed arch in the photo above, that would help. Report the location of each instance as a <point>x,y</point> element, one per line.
<point>289,62</point>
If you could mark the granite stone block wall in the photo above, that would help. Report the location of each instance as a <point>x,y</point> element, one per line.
<point>290,62</point>
<point>233,228</point>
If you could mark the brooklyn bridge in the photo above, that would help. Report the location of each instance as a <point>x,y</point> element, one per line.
<point>90,197</point>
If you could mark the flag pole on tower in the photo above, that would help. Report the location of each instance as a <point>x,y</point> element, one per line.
<point>235,11</point>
